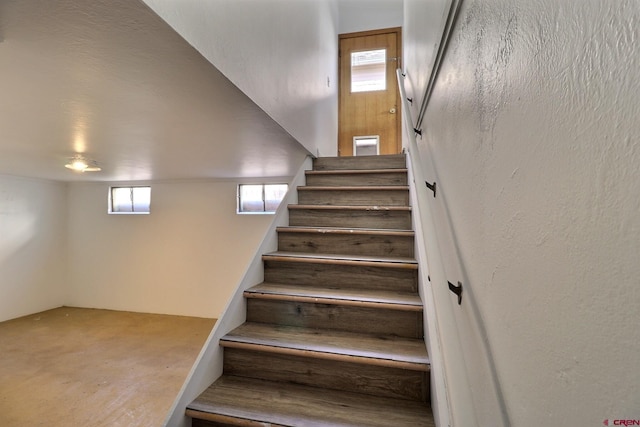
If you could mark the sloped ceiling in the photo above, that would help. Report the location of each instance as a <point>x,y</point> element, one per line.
<point>110,79</point>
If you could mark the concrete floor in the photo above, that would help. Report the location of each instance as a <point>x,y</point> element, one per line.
<point>85,367</point>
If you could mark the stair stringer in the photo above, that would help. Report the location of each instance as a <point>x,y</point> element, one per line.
<point>208,365</point>
<point>456,403</point>
<point>439,395</point>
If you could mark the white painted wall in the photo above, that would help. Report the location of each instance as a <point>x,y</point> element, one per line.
<point>185,258</point>
<point>33,218</point>
<point>424,24</point>
<point>533,135</point>
<point>209,364</point>
<point>364,15</point>
<point>281,53</point>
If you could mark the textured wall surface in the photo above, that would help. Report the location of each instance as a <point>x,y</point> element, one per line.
<point>534,135</point>
<point>33,237</point>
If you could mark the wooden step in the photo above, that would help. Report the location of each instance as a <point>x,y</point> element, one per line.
<point>338,317</point>
<point>330,374</point>
<point>337,296</point>
<point>334,334</point>
<point>343,309</point>
<point>354,196</point>
<point>361,260</point>
<point>352,241</point>
<point>328,344</point>
<point>250,402</point>
<point>394,161</point>
<point>348,275</point>
<point>379,366</point>
<point>380,217</point>
<point>356,177</point>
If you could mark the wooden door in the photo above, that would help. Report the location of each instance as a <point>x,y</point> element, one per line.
<point>369,107</point>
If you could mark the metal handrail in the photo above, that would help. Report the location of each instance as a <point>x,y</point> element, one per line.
<point>442,48</point>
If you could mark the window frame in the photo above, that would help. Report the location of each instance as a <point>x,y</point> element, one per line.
<point>239,203</point>
<point>110,201</point>
<point>357,138</point>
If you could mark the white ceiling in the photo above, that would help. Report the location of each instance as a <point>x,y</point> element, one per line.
<point>110,79</point>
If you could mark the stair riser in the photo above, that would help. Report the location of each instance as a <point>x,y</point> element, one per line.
<point>259,403</point>
<point>346,244</point>
<point>238,422</point>
<point>407,324</point>
<point>341,276</point>
<point>381,219</point>
<point>354,197</point>
<point>204,423</point>
<point>362,162</point>
<point>335,375</point>
<point>350,179</point>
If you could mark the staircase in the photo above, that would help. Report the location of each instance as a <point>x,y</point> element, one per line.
<point>334,334</point>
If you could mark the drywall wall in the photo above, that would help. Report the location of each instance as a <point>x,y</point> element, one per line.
<point>184,258</point>
<point>283,54</point>
<point>363,15</point>
<point>533,135</point>
<point>33,218</point>
<point>112,81</point>
<point>209,364</point>
<point>424,25</point>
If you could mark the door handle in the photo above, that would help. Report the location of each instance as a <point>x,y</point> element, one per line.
<point>392,110</point>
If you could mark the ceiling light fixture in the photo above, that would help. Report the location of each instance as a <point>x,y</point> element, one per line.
<point>82,164</point>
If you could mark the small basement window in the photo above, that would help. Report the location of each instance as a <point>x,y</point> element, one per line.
<point>260,198</point>
<point>129,200</point>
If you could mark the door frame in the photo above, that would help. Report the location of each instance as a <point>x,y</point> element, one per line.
<point>398,32</point>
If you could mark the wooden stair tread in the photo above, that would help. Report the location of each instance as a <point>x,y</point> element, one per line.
<point>402,262</point>
<point>354,171</point>
<point>322,295</point>
<point>354,188</point>
<point>346,230</point>
<point>410,353</point>
<point>352,207</point>
<point>237,400</point>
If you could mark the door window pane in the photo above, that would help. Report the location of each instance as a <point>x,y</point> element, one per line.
<point>369,70</point>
